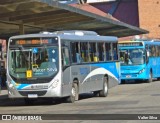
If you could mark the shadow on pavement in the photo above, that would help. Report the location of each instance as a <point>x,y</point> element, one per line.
<point>5,101</point>
<point>136,82</point>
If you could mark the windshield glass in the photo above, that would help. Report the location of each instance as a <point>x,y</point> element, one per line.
<point>33,62</point>
<point>132,56</point>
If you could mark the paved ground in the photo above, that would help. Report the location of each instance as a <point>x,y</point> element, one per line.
<point>141,98</point>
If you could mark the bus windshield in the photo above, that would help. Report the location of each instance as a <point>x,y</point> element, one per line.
<point>40,60</point>
<point>132,56</point>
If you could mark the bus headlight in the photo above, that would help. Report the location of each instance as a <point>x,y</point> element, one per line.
<point>141,71</point>
<point>10,85</point>
<point>55,83</point>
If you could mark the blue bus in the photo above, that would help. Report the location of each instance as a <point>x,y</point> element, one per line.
<point>61,64</point>
<point>140,60</point>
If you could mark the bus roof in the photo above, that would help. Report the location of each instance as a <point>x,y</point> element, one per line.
<point>146,41</point>
<point>69,35</point>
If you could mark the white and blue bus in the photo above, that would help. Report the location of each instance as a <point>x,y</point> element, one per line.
<point>61,64</point>
<point>140,60</point>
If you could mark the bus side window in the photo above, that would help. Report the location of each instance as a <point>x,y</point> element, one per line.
<point>108,51</point>
<point>92,51</point>
<point>157,53</point>
<point>159,50</point>
<point>84,51</point>
<point>65,57</point>
<point>73,52</point>
<point>96,54</point>
<point>152,50</point>
<point>101,51</point>
<point>115,51</point>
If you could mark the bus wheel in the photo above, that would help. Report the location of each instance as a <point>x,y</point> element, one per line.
<point>104,92</point>
<point>74,94</point>
<point>96,93</point>
<point>158,78</point>
<point>150,78</point>
<point>123,82</point>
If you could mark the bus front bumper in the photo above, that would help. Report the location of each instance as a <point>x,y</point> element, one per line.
<point>134,76</point>
<point>14,93</point>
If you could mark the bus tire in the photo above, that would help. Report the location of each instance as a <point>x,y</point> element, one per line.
<point>104,91</point>
<point>150,78</point>
<point>74,94</point>
<point>158,78</point>
<point>96,93</point>
<point>123,82</point>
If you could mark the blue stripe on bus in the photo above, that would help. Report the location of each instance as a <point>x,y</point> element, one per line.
<point>112,67</point>
<point>21,86</point>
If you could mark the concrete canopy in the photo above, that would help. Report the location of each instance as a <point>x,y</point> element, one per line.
<point>30,16</point>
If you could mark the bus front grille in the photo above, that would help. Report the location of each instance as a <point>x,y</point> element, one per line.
<point>26,93</point>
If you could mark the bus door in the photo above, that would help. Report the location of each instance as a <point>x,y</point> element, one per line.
<point>66,70</point>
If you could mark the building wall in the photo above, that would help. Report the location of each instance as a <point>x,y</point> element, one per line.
<point>141,13</point>
<point>149,17</point>
<point>126,11</point>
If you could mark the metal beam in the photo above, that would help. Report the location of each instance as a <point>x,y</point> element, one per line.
<point>14,23</point>
<point>6,2</point>
<point>114,7</point>
<point>37,15</point>
<point>14,13</point>
<point>48,17</point>
<point>61,20</point>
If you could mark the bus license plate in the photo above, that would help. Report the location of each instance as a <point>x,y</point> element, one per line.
<point>32,95</point>
<point>128,76</point>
